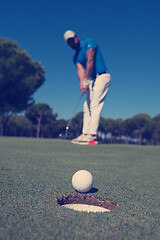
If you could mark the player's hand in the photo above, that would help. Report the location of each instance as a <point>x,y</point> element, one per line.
<point>84,86</point>
<point>84,90</point>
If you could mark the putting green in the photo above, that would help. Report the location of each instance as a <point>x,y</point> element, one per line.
<point>35,172</point>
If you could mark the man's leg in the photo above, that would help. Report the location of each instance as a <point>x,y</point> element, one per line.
<point>99,92</point>
<point>86,111</point>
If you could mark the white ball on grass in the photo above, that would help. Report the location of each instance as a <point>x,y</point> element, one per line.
<point>82,181</point>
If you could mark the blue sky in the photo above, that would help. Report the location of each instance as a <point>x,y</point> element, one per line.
<point>128,35</point>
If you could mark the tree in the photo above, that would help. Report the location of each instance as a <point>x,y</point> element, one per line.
<point>118,129</point>
<point>19,126</point>
<point>106,126</point>
<point>20,77</point>
<point>40,113</point>
<point>76,125</point>
<point>140,124</point>
<point>156,130</point>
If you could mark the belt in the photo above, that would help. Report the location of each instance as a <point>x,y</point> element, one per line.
<point>98,74</point>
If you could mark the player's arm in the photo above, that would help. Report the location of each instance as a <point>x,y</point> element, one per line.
<point>81,77</point>
<point>90,62</point>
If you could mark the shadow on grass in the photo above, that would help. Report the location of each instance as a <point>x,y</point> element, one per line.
<point>93,190</point>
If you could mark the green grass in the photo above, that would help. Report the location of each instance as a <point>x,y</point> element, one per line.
<point>34,171</point>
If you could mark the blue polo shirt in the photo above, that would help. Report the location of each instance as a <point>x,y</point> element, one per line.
<point>81,57</point>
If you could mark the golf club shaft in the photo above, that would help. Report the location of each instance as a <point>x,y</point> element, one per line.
<point>69,123</point>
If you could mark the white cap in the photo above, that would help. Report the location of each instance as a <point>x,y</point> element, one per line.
<point>69,34</point>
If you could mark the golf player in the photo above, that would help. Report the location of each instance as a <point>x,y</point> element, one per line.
<point>94,80</point>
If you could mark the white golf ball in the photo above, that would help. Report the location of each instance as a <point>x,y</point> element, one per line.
<point>82,181</point>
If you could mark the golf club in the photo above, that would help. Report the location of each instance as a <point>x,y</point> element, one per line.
<point>69,122</point>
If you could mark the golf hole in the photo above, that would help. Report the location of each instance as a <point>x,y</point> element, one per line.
<point>86,203</point>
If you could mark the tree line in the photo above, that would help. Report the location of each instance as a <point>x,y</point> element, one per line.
<point>40,121</point>
<point>20,77</point>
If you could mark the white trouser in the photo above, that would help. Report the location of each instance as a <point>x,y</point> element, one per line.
<point>93,104</point>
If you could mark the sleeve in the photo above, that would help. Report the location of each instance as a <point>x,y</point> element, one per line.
<point>91,43</point>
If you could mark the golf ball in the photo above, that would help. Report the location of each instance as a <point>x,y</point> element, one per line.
<point>82,181</point>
